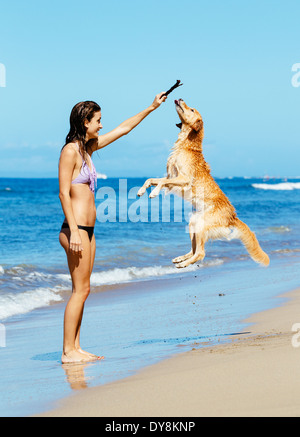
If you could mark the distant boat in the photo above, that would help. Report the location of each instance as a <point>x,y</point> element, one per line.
<point>101,176</point>
<point>269,178</point>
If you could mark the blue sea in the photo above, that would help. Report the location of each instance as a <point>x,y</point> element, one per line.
<point>141,308</point>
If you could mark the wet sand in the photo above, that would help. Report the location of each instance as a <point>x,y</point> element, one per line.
<point>256,374</point>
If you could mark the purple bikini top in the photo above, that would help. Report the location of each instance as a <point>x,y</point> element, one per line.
<point>86,175</point>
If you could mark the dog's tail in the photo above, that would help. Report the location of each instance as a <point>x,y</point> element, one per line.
<point>249,240</point>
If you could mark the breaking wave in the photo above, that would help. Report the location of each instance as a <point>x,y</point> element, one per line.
<point>12,304</point>
<point>288,186</point>
<point>131,274</point>
<point>46,289</point>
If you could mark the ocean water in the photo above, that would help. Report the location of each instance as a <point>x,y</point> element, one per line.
<point>134,277</point>
<point>140,246</point>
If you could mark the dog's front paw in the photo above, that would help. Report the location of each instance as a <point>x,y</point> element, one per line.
<point>141,191</point>
<point>154,192</point>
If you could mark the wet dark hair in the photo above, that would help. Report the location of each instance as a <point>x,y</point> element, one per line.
<point>81,111</point>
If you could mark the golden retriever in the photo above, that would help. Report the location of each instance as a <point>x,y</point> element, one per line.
<point>189,175</point>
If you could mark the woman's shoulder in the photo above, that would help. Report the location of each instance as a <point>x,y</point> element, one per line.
<point>69,154</point>
<point>69,149</point>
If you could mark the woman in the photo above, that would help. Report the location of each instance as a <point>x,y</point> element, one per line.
<point>77,181</point>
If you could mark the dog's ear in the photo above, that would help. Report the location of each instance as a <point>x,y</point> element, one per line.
<point>179,125</point>
<point>198,125</point>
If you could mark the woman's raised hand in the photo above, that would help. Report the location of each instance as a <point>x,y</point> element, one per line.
<point>159,99</point>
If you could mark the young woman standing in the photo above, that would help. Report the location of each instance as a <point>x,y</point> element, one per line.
<point>77,182</point>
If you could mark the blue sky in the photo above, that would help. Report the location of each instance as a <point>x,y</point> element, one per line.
<point>234,57</point>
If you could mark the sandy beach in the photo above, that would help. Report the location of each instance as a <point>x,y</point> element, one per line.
<point>254,375</point>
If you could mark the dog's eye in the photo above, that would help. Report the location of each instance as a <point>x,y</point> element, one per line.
<point>192,110</point>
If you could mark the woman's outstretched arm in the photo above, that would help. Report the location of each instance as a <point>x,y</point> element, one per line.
<point>127,125</point>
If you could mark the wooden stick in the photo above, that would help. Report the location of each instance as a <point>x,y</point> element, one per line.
<point>177,84</point>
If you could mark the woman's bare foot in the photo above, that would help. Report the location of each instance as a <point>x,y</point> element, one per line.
<point>75,356</point>
<point>92,356</point>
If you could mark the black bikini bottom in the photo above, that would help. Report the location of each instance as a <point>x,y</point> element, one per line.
<point>88,229</point>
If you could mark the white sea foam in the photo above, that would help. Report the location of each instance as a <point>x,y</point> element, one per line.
<point>101,176</point>
<point>130,274</point>
<point>280,229</point>
<point>21,274</point>
<point>282,186</point>
<point>12,304</point>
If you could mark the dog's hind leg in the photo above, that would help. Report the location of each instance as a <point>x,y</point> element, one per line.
<point>197,252</point>
<point>181,258</point>
<point>197,256</point>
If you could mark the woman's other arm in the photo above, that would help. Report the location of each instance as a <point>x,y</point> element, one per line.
<point>66,167</point>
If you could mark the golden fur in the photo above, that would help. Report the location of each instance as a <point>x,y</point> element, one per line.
<point>189,176</point>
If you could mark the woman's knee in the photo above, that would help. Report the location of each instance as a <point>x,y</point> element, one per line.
<point>82,292</point>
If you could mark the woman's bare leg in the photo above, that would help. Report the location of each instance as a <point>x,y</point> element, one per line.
<point>77,339</point>
<point>80,269</point>
<point>93,251</point>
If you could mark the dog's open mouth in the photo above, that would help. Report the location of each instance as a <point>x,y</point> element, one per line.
<point>177,104</point>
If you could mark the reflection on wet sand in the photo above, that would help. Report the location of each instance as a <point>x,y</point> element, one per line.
<point>75,375</point>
